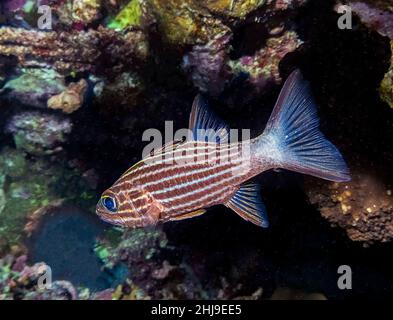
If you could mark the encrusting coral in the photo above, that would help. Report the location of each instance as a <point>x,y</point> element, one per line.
<point>262,68</point>
<point>39,133</point>
<point>33,86</point>
<point>74,51</point>
<point>71,99</point>
<point>362,207</point>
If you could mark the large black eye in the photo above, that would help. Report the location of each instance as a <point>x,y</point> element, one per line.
<point>109,203</point>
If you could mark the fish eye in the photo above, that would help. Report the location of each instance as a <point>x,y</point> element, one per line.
<point>109,203</point>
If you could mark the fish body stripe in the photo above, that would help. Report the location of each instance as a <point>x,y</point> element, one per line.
<point>152,167</point>
<point>182,182</point>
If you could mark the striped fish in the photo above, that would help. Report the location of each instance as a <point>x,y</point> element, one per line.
<point>185,177</point>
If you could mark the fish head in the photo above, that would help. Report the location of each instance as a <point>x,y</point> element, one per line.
<point>126,207</point>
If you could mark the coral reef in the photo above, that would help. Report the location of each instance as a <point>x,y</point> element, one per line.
<point>378,16</point>
<point>143,252</point>
<point>31,184</point>
<point>74,51</point>
<point>86,11</point>
<point>362,207</point>
<point>77,98</point>
<point>236,9</point>
<point>207,64</point>
<point>129,16</point>
<point>262,68</point>
<point>39,133</point>
<point>33,87</point>
<point>184,22</point>
<point>20,281</point>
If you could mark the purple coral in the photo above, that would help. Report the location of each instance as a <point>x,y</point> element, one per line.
<point>207,64</point>
<point>377,19</point>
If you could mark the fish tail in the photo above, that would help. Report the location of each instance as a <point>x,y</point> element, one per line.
<point>292,137</point>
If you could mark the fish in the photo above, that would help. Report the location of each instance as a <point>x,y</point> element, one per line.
<point>186,177</point>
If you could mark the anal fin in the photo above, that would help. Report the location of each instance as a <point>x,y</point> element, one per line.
<point>247,203</point>
<point>188,215</point>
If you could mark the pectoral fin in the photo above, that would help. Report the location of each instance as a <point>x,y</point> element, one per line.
<point>247,203</point>
<point>154,212</point>
<point>188,215</point>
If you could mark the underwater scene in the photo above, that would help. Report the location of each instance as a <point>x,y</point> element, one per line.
<point>196,149</point>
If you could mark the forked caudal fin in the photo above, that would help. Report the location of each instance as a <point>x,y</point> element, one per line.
<point>294,129</point>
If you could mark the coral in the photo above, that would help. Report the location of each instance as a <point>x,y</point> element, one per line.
<point>375,15</point>
<point>150,275</point>
<point>76,14</point>
<point>362,207</point>
<point>262,68</point>
<point>232,8</point>
<point>71,99</point>
<point>34,86</point>
<point>30,188</point>
<point>19,281</point>
<point>207,64</point>
<point>386,89</point>
<point>129,16</point>
<point>39,133</point>
<point>86,11</point>
<point>182,22</point>
<point>13,163</point>
<point>74,51</point>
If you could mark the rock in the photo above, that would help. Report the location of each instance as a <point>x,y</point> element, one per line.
<point>183,22</point>
<point>71,99</point>
<point>77,14</point>
<point>207,64</point>
<point>363,207</point>
<point>75,51</point>
<point>33,220</point>
<point>30,187</point>
<point>129,16</point>
<point>86,11</point>
<point>232,8</point>
<point>151,276</point>
<point>13,162</point>
<point>377,15</point>
<point>262,67</point>
<point>39,133</point>
<point>34,87</point>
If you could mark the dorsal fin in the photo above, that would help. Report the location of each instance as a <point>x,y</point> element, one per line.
<point>205,125</point>
<point>247,203</point>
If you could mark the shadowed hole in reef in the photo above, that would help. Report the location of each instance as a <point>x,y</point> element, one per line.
<point>65,240</point>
